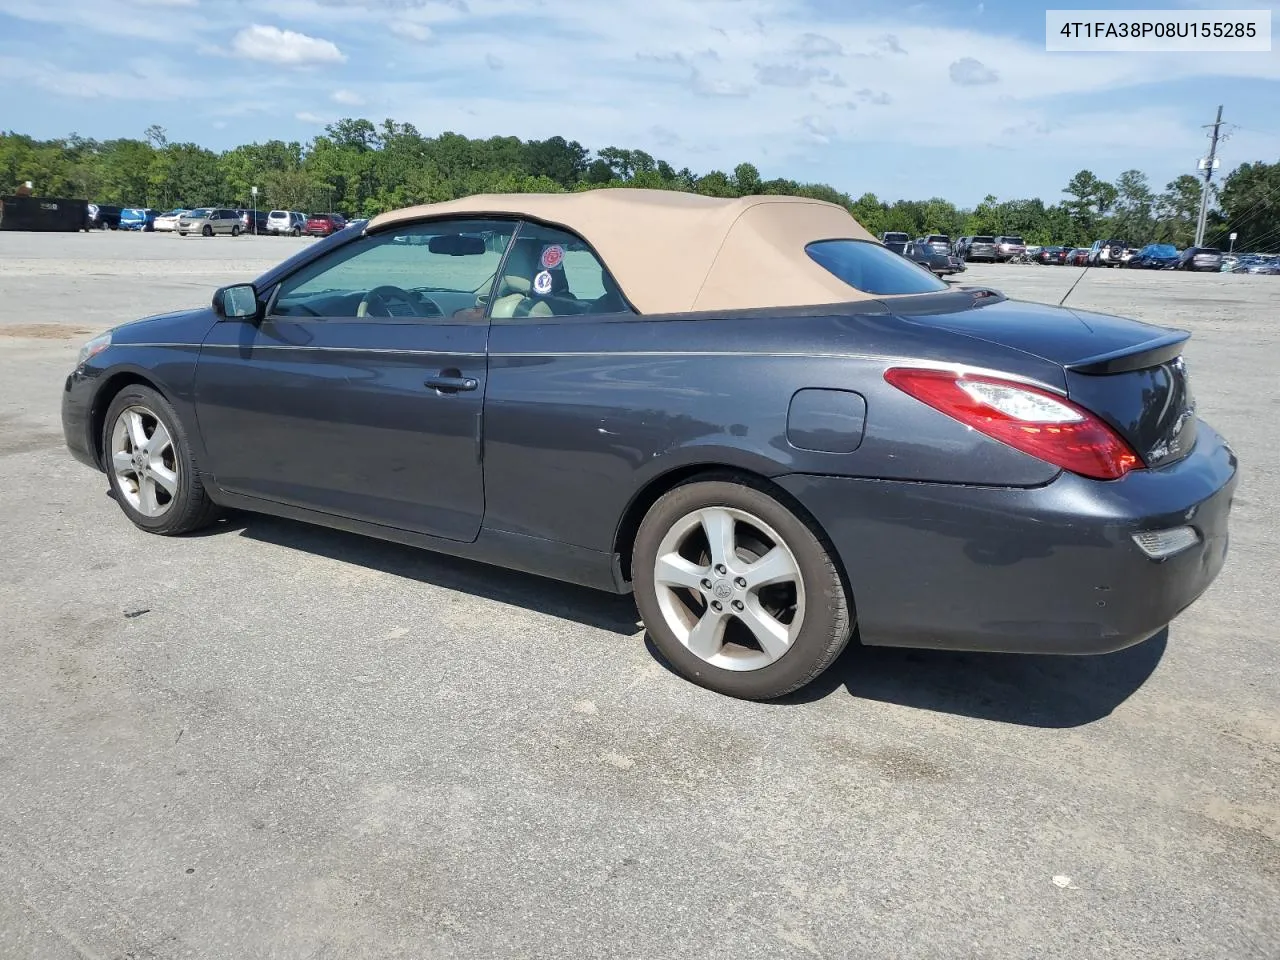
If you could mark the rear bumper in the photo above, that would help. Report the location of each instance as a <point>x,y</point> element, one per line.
<point>1051,569</point>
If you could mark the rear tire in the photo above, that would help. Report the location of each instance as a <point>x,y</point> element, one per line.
<point>719,564</point>
<point>235,231</point>
<point>157,482</point>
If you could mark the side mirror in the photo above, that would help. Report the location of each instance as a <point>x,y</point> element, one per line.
<point>239,302</point>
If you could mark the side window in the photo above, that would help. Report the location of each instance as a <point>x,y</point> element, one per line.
<point>443,269</point>
<point>552,273</point>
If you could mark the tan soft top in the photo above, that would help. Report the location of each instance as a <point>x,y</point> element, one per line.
<point>674,252</point>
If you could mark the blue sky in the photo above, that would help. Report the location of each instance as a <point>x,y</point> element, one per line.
<point>907,100</point>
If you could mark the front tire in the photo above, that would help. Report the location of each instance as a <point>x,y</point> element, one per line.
<point>738,593</point>
<point>148,459</point>
<point>207,231</point>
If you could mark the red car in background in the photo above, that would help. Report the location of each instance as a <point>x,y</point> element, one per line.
<point>323,224</point>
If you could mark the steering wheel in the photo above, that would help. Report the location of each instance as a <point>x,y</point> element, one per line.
<point>386,299</point>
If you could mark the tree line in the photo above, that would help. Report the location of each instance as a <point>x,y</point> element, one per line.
<point>359,168</point>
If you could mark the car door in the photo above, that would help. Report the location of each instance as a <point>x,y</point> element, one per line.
<point>360,392</point>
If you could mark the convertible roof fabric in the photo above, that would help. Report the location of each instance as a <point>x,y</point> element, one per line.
<point>674,252</point>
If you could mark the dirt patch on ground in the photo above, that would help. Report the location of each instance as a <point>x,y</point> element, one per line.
<point>44,331</point>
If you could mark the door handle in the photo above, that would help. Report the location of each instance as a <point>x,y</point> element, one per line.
<point>452,384</point>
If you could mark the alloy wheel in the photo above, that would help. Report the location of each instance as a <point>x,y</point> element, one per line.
<point>729,588</point>
<point>144,461</point>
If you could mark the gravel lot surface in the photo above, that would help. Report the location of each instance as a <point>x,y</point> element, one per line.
<point>278,741</point>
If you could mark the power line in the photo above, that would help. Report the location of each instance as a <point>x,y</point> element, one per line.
<point>1208,175</point>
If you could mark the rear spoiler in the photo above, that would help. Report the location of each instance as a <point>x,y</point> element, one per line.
<point>1150,353</point>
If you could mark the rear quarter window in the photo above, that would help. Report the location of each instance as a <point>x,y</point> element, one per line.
<point>872,268</point>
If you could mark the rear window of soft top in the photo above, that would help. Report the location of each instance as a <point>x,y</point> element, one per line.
<point>872,268</point>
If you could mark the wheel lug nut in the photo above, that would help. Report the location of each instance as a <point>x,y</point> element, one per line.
<point>721,568</point>
<point>742,584</point>
<point>706,584</point>
<point>715,605</point>
<point>737,604</point>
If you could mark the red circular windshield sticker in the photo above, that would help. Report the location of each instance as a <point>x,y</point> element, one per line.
<point>552,256</point>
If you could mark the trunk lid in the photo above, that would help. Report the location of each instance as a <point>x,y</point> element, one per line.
<point>1131,374</point>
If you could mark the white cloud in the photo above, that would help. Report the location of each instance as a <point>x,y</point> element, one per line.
<point>411,29</point>
<point>348,98</point>
<point>307,117</point>
<point>147,83</point>
<point>968,72</point>
<point>273,45</point>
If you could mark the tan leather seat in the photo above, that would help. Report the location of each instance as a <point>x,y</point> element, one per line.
<point>512,298</point>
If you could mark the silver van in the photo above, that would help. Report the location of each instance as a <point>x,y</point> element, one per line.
<point>208,221</point>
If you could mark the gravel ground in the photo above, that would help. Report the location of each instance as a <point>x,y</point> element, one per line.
<point>278,741</point>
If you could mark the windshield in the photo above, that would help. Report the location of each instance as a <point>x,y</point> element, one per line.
<point>871,268</point>
<point>202,212</point>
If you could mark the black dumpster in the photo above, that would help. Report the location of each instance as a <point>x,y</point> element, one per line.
<point>47,214</point>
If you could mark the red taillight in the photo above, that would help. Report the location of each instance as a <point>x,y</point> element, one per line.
<point>1028,419</point>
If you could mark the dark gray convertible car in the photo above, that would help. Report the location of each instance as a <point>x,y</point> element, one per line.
<point>770,428</point>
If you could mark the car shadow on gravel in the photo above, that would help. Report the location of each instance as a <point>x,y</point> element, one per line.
<point>1025,689</point>
<point>592,608</point>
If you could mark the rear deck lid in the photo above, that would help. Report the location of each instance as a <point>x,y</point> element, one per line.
<point>1129,373</point>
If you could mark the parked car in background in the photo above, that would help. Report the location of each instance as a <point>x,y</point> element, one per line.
<point>210,221</point>
<point>981,249</point>
<point>286,223</point>
<point>895,240</point>
<point>989,475</point>
<point>1051,256</point>
<point>1078,257</point>
<point>1009,247</point>
<point>168,221</point>
<point>103,217</point>
<point>323,224</point>
<point>1154,256</point>
<point>939,241</point>
<point>138,218</point>
<point>253,221</point>
<point>939,262</point>
<point>1200,258</point>
<point>1257,263</point>
<point>1107,253</point>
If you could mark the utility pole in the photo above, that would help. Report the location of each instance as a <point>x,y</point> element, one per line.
<point>1208,175</point>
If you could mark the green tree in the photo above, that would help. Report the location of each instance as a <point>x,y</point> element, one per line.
<point>1249,199</point>
<point>1176,211</point>
<point>746,180</point>
<point>1135,208</point>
